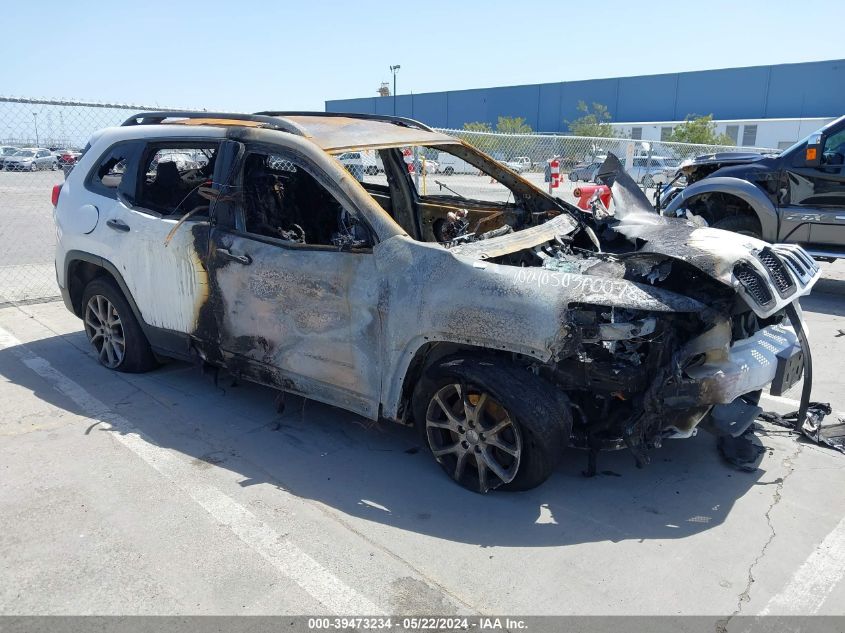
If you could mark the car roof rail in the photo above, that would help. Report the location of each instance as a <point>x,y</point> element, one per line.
<point>397,120</point>
<point>272,122</point>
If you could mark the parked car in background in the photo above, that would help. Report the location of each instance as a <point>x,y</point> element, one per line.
<point>184,160</point>
<point>585,171</point>
<point>67,156</point>
<point>31,159</point>
<point>520,164</point>
<point>360,163</point>
<point>650,170</point>
<point>6,151</point>
<point>451,164</point>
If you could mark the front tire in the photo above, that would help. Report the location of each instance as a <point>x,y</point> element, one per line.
<point>490,424</point>
<point>113,330</point>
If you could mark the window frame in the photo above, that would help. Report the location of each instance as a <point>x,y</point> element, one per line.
<point>234,213</point>
<point>93,183</point>
<point>148,148</point>
<point>745,129</point>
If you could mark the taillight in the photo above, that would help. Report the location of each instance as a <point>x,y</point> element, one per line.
<point>577,192</point>
<point>57,189</point>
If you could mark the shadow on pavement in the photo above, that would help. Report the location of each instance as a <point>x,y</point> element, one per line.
<point>379,472</point>
<point>825,303</point>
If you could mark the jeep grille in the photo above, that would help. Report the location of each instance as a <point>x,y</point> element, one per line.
<point>754,284</point>
<point>776,268</point>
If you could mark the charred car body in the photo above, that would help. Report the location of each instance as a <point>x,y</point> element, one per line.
<point>505,326</point>
<point>796,196</point>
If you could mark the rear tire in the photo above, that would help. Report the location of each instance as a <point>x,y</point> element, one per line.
<point>742,224</point>
<point>511,425</point>
<point>113,330</point>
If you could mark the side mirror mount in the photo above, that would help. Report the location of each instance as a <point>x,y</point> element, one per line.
<point>813,151</point>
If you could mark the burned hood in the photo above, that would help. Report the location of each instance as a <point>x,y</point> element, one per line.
<point>768,277</point>
<point>713,251</point>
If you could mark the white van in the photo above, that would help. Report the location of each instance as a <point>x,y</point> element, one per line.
<point>450,164</point>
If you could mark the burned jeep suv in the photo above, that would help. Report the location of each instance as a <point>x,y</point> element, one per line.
<point>504,323</point>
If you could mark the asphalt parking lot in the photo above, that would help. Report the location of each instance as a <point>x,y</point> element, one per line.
<point>164,493</point>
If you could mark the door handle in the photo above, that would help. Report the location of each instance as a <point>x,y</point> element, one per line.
<point>118,225</point>
<point>244,259</point>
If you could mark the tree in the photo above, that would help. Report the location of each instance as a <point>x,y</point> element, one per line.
<point>513,125</point>
<point>478,126</point>
<point>479,135</point>
<point>595,122</point>
<point>700,130</point>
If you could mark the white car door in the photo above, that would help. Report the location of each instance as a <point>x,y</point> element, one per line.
<point>160,263</point>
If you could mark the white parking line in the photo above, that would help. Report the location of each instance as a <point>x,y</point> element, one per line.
<point>806,591</point>
<point>290,560</point>
<point>781,400</point>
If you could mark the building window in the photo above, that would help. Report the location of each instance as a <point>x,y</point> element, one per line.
<point>733,132</point>
<point>665,133</point>
<point>636,133</point>
<point>749,135</point>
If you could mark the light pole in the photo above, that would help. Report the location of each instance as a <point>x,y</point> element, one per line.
<point>35,116</point>
<point>393,69</point>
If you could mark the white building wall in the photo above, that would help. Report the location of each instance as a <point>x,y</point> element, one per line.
<point>770,133</point>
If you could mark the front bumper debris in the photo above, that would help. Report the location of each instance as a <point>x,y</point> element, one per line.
<point>772,355</point>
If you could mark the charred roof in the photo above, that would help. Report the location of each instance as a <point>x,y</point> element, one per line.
<point>329,130</point>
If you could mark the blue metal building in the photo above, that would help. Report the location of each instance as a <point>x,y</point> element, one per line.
<point>811,89</point>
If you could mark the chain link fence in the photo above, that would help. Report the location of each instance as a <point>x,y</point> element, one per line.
<point>42,139</point>
<point>39,141</point>
<point>579,157</point>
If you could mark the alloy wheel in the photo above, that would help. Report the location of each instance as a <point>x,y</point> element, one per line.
<point>473,437</point>
<point>105,331</point>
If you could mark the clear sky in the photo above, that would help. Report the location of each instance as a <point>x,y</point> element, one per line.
<point>248,55</point>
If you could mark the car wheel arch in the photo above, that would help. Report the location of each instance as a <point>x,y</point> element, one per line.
<point>745,193</point>
<point>82,268</point>
<point>422,358</point>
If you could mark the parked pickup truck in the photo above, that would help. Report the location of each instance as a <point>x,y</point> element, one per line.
<point>796,196</point>
<point>520,164</point>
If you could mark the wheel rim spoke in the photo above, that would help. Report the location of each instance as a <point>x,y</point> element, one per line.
<point>496,442</point>
<point>459,465</point>
<point>440,452</point>
<point>495,467</point>
<point>473,411</point>
<point>481,465</point>
<point>499,427</point>
<point>453,421</point>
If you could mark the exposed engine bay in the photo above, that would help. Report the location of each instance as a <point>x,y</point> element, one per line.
<point>637,376</point>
